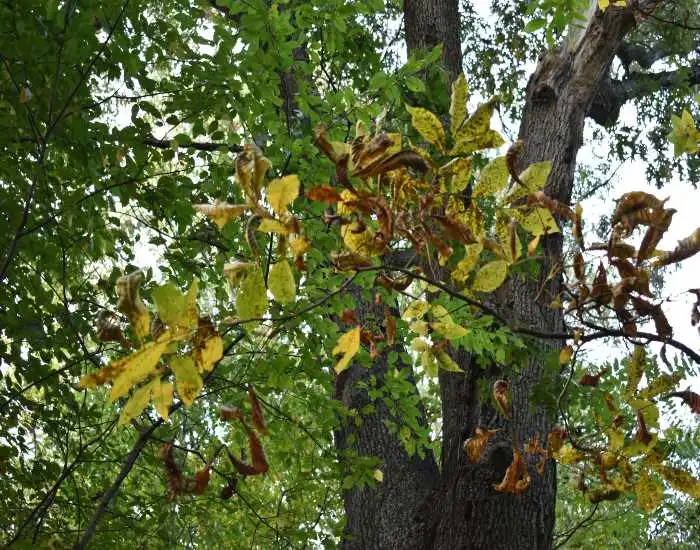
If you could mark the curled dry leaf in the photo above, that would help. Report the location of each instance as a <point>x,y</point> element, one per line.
<point>323,193</point>
<point>589,379</point>
<point>516,479</point>
<point>201,480</point>
<point>258,418</point>
<point>230,412</point>
<point>500,394</point>
<point>172,470</point>
<point>690,398</point>
<point>109,331</point>
<point>230,489</point>
<point>686,248</point>
<point>475,445</point>
<point>642,434</point>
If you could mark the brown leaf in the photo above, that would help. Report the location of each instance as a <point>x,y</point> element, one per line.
<point>230,412</point>
<point>201,480</point>
<point>654,234</point>
<point>321,141</point>
<point>172,470</point>
<point>258,419</point>
<point>455,230</point>
<point>109,331</point>
<point>323,193</point>
<point>390,326</point>
<point>601,291</point>
<point>642,432</point>
<point>516,479</point>
<point>230,489</point>
<point>686,248</point>
<point>589,379</point>
<point>579,270</point>
<point>690,398</point>
<point>349,317</point>
<point>474,446</point>
<point>620,296</point>
<point>635,201</point>
<point>500,394</point>
<point>624,268</point>
<point>257,453</point>
<point>241,467</point>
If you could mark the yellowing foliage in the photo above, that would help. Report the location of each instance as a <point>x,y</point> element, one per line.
<point>348,345</point>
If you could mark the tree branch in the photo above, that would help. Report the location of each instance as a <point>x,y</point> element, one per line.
<point>197,145</point>
<point>612,94</point>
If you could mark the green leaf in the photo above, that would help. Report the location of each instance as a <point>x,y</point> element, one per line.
<point>251,298</point>
<point>174,308</point>
<point>535,24</point>
<point>415,84</point>
<point>446,362</point>
<point>649,492</point>
<point>281,282</point>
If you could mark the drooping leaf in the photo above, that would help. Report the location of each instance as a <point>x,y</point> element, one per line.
<point>445,361</point>
<point>130,303</point>
<point>251,298</point>
<point>208,352</point>
<point>258,417</point>
<point>221,212</point>
<point>135,404</point>
<point>428,125</point>
<point>490,276</point>
<point>281,282</point>
<point>539,222</point>
<point>268,225</point>
<point>465,266</point>
<point>475,133</point>
<point>348,345</point>
<point>176,309</point>
<point>162,395</point>
<point>282,192</point>
<point>475,445</point>
<point>187,379</point>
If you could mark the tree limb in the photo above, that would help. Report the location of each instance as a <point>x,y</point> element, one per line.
<point>197,145</point>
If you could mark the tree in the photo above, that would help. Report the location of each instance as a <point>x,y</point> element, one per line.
<point>235,71</point>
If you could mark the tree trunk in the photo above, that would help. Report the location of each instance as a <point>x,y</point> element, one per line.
<point>459,508</point>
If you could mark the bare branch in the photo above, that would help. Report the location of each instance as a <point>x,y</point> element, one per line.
<point>197,145</point>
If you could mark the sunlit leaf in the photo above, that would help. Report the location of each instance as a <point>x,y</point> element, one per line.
<point>649,492</point>
<point>268,225</point>
<point>187,379</point>
<point>251,298</point>
<point>348,344</point>
<point>458,103</point>
<point>135,404</point>
<point>221,212</point>
<point>492,179</point>
<point>539,222</point>
<point>490,276</point>
<point>176,309</point>
<point>282,192</point>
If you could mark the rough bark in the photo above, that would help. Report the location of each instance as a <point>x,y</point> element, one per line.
<point>428,23</point>
<point>463,511</point>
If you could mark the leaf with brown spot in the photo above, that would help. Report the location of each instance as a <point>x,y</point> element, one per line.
<point>686,248</point>
<point>690,398</point>
<point>593,380</point>
<point>654,234</point>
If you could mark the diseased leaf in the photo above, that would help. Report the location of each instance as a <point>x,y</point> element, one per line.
<point>429,363</point>
<point>416,310</point>
<point>187,379</point>
<point>130,303</point>
<point>458,103</point>
<point>490,276</point>
<point>175,309</point>
<point>492,179</point>
<point>533,179</point>
<point>539,222</point>
<point>475,133</point>
<point>323,193</point>
<point>208,353</point>
<point>428,125</point>
<point>282,192</point>
<point>649,492</point>
<point>680,480</point>
<point>565,355</point>
<point>348,345</point>
<point>281,282</point>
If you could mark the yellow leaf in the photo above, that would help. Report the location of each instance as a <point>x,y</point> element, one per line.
<point>363,243</point>
<point>661,384</point>
<point>176,309</point>
<point>162,394</point>
<point>348,344</point>
<point>221,212</point>
<point>428,125</point>
<point>416,310</point>
<point>429,363</point>
<point>540,222</point>
<point>461,170</point>
<point>679,479</point>
<point>649,492</point>
<point>281,282</point>
<point>378,475</point>
<point>268,225</point>
<point>567,454</point>
<point>465,265</point>
<point>419,345</point>
<point>300,245</point>
<point>450,330</point>
<point>493,178</point>
<point>137,366</point>
<point>135,405</point>
<point>419,327</point>
<point>251,298</point>
<point>458,103</point>
<point>533,179</point>
<point>475,134</point>
<point>446,362</point>
<point>490,276</point>
<point>188,381</point>
<point>565,355</point>
<point>603,4</point>
<point>206,356</point>
<point>634,367</point>
<point>282,192</point>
